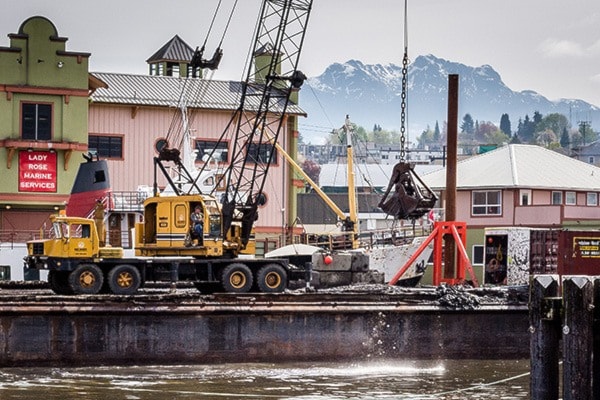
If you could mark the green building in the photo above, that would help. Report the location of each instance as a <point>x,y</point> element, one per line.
<point>44,94</point>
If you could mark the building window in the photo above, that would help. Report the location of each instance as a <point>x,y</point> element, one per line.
<point>570,198</point>
<point>524,197</point>
<point>36,123</point>
<point>477,255</point>
<point>106,146</point>
<point>219,151</point>
<point>261,153</point>
<point>487,203</point>
<point>592,199</point>
<point>557,198</point>
<point>591,159</point>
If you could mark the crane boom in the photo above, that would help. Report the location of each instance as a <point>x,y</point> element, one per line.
<point>265,95</point>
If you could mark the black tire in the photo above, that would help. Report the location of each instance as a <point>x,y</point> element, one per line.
<point>271,278</point>
<point>124,279</point>
<point>59,282</point>
<point>237,278</point>
<point>86,279</point>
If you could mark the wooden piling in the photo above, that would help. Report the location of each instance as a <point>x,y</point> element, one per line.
<point>596,339</point>
<point>578,304</point>
<point>544,325</point>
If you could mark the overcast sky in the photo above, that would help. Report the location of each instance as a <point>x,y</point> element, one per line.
<point>550,46</point>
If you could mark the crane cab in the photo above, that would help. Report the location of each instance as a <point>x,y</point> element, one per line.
<point>167,229</point>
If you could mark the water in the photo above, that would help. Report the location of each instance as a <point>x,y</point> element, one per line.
<point>419,380</point>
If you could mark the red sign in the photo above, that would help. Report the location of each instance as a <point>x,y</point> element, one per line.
<point>37,171</point>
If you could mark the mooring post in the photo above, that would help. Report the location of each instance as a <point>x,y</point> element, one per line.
<point>578,299</point>
<point>544,325</point>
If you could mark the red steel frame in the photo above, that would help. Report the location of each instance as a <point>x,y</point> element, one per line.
<point>458,230</point>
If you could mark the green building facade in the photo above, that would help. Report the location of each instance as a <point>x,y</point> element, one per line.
<point>44,92</point>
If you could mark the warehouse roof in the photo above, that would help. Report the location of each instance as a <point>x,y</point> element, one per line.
<point>169,91</point>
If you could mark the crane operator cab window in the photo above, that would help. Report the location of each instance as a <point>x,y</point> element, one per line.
<point>197,223</point>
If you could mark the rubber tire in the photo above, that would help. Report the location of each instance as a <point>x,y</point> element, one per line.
<point>272,278</point>
<point>59,282</point>
<point>237,278</point>
<point>124,279</point>
<point>86,279</point>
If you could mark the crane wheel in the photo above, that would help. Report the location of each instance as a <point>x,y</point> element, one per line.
<point>271,278</point>
<point>237,278</point>
<point>59,282</point>
<point>86,279</point>
<point>124,279</point>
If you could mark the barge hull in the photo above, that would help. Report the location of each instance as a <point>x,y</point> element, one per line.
<point>133,331</point>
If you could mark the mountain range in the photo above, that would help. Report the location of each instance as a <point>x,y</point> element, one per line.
<point>371,95</point>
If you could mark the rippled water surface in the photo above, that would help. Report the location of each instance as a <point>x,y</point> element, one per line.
<point>365,380</point>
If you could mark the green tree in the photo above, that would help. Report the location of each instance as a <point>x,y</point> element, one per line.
<point>554,122</point>
<point>565,141</point>
<point>425,138</point>
<point>496,137</point>
<point>505,125</point>
<point>587,134</point>
<point>526,130</point>
<point>467,125</point>
<point>436,132</point>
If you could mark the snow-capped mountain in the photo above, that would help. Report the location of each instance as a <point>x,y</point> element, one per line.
<point>370,94</point>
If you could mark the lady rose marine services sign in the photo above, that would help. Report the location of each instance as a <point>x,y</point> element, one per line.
<point>37,171</point>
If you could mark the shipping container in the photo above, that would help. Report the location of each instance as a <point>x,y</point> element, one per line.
<point>512,254</point>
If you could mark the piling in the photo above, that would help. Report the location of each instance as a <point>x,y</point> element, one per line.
<point>544,319</point>
<point>578,303</point>
<point>575,311</point>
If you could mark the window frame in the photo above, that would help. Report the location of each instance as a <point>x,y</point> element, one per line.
<point>209,145</point>
<point>110,137</point>
<point>595,199</point>
<point>556,192</point>
<point>478,259</point>
<point>487,206</point>
<point>262,147</point>
<point>36,135</point>
<point>525,193</point>
<point>574,199</point>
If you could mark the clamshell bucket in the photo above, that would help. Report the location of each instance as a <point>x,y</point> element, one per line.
<point>411,198</point>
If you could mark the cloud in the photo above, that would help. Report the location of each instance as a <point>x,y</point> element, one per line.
<point>554,48</point>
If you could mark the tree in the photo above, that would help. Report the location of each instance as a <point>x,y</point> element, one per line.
<point>505,125</point>
<point>467,125</point>
<point>426,138</point>
<point>497,137</point>
<point>546,138</point>
<point>312,169</point>
<point>436,132</point>
<point>526,130</point>
<point>564,139</point>
<point>485,129</point>
<point>554,122</point>
<point>537,118</point>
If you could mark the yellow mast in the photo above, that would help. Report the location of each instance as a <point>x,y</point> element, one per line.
<point>352,219</point>
<point>351,183</point>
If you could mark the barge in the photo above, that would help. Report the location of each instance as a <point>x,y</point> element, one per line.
<point>183,326</point>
